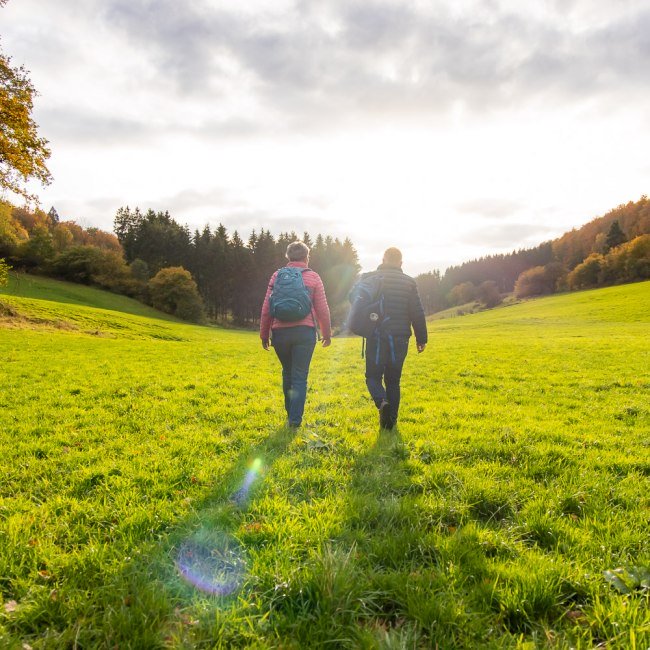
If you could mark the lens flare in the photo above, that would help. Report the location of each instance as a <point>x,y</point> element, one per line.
<point>240,496</point>
<point>212,562</point>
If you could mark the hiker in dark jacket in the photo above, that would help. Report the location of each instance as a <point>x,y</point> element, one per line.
<point>294,341</point>
<point>385,356</point>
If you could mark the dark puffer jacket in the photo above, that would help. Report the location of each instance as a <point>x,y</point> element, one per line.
<point>402,303</point>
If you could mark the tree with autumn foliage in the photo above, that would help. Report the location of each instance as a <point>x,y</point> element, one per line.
<point>23,152</point>
<point>12,233</point>
<point>174,291</point>
<point>629,262</point>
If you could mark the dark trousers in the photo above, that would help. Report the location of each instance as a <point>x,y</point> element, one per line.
<point>387,370</point>
<point>294,347</point>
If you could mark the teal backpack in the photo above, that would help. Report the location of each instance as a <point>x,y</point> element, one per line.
<point>290,299</point>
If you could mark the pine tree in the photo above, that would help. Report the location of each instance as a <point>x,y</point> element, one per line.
<point>54,216</point>
<point>615,236</point>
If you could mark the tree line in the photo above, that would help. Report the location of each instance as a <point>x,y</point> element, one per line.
<point>151,257</point>
<point>231,274</point>
<point>608,250</point>
<point>211,273</point>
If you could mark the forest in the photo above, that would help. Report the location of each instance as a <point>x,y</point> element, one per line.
<point>208,274</point>
<point>214,275</point>
<point>615,249</point>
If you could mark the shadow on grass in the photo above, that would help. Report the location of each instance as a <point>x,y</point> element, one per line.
<point>198,561</point>
<point>347,590</point>
<point>355,590</point>
<point>391,574</point>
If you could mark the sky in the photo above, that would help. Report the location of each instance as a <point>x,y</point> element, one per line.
<point>451,129</point>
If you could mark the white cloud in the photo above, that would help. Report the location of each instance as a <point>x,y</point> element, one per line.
<point>398,123</point>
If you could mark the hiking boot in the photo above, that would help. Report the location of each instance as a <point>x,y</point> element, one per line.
<point>385,420</point>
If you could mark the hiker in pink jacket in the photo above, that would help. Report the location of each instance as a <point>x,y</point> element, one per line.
<point>291,313</point>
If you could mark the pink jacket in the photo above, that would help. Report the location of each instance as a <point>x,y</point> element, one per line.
<point>315,286</point>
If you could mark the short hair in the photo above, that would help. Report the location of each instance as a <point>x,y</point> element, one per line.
<point>297,251</point>
<point>393,256</point>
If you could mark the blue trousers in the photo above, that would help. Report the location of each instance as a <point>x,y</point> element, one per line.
<point>294,347</point>
<point>388,371</point>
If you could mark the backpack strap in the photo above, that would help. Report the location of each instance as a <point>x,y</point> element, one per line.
<point>391,344</point>
<point>312,312</point>
<point>391,347</point>
<point>377,355</point>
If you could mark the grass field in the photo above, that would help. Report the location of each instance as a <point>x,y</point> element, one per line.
<point>150,496</point>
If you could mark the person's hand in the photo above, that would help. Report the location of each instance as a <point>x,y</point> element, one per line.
<point>421,346</point>
<point>265,344</point>
<point>327,343</point>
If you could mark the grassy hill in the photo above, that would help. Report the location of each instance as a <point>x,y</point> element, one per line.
<point>41,288</point>
<point>150,496</point>
<point>31,302</point>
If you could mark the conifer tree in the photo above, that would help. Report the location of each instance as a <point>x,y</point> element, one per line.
<point>615,236</point>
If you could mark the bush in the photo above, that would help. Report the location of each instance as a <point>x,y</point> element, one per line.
<point>140,270</point>
<point>638,262</point>
<point>90,265</point>
<point>38,251</point>
<point>539,281</point>
<point>462,293</point>
<point>587,274</point>
<point>488,293</point>
<point>174,291</point>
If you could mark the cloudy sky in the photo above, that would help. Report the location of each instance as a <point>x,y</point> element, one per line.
<point>449,128</point>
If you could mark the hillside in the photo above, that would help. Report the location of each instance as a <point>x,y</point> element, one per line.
<point>626,305</point>
<point>628,260</point>
<point>151,497</point>
<point>37,302</point>
<point>42,288</point>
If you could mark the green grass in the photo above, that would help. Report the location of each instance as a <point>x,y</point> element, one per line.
<point>518,476</point>
<point>34,302</point>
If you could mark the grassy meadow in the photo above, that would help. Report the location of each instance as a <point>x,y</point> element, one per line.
<point>150,496</point>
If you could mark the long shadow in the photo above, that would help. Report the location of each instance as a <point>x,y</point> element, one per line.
<point>385,578</point>
<point>348,579</point>
<point>351,581</point>
<point>198,557</point>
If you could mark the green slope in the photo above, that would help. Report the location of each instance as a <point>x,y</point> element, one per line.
<point>34,302</point>
<point>36,287</point>
<point>625,304</point>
